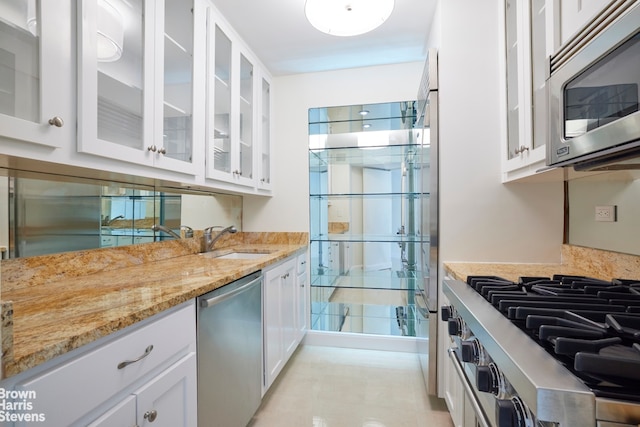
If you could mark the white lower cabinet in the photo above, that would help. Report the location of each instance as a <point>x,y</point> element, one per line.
<point>123,414</point>
<point>281,317</point>
<point>151,365</point>
<point>169,399</point>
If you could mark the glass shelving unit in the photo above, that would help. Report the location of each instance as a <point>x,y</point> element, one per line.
<point>368,208</point>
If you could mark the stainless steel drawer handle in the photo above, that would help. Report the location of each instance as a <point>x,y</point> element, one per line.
<point>151,415</point>
<point>147,351</point>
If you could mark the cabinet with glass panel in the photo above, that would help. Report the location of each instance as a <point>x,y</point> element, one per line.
<point>136,71</point>
<point>239,111</point>
<point>369,239</point>
<point>531,36</point>
<point>36,83</point>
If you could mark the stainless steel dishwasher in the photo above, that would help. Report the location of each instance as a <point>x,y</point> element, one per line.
<point>230,353</point>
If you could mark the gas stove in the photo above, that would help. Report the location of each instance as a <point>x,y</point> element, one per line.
<point>548,351</point>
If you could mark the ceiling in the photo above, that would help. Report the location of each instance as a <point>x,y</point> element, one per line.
<point>278,32</point>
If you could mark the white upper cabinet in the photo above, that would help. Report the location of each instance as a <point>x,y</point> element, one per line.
<point>136,81</point>
<point>238,94</point>
<point>265,158</point>
<point>574,14</point>
<point>36,101</point>
<point>529,41</point>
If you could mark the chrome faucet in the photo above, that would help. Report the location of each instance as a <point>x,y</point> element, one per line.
<point>209,240</point>
<point>158,227</point>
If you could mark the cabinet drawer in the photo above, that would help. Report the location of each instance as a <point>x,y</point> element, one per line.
<point>68,391</point>
<point>302,263</point>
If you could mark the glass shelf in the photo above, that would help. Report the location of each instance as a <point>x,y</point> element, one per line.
<point>369,238</point>
<point>369,218</point>
<point>377,319</point>
<point>390,155</point>
<point>381,279</point>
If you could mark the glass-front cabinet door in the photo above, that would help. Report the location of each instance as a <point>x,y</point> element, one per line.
<point>245,148</point>
<point>35,69</point>
<point>234,100</point>
<point>177,125</point>
<point>135,81</point>
<point>265,132</point>
<point>219,138</point>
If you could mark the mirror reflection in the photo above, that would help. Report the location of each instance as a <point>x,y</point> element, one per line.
<point>620,189</point>
<point>49,214</point>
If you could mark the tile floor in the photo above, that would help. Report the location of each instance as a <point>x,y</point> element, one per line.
<point>337,387</point>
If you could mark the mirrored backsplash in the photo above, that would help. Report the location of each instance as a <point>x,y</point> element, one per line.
<point>46,214</point>
<point>616,191</point>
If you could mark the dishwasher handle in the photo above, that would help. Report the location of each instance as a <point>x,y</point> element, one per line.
<point>208,302</point>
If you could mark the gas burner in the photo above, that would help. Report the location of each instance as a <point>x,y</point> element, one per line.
<point>588,327</point>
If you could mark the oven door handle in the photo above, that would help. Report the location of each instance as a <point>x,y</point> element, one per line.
<point>480,417</point>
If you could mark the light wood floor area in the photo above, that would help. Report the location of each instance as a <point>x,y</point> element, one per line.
<point>338,387</point>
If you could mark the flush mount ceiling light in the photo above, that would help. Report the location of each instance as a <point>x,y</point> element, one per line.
<point>110,32</point>
<point>347,17</point>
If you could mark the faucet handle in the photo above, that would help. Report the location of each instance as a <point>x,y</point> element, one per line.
<point>188,231</point>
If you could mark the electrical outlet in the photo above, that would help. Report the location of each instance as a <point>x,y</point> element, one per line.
<point>606,213</point>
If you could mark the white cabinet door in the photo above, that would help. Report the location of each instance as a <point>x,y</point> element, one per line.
<point>529,40</point>
<point>454,393</point>
<point>123,414</point>
<point>231,106</point>
<point>169,400</point>
<point>265,157</point>
<point>136,86</point>
<point>239,106</point>
<point>574,14</point>
<point>289,308</point>
<point>280,318</point>
<point>273,331</point>
<point>36,69</point>
<point>302,299</point>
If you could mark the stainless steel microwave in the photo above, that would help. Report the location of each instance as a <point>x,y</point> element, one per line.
<point>593,92</point>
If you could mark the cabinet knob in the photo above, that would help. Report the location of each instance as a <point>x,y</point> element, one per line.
<point>152,148</point>
<point>521,150</point>
<point>162,150</point>
<point>151,415</point>
<point>56,121</point>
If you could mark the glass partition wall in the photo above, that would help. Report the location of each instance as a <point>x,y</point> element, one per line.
<point>367,206</point>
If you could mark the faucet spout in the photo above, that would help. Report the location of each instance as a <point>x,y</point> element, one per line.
<point>158,227</point>
<point>210,240</point>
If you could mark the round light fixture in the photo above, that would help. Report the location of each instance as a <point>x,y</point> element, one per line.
<point>347,17</point>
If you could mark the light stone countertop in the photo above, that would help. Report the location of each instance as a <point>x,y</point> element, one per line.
<point>62,302</point>
<point>576,260</point>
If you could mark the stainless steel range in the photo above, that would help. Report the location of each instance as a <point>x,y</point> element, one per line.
<point>560,351</point>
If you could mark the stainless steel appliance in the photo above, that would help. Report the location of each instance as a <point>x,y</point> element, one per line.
<point>229,331</point>
<point>560,351</point>
<point>427,292</point>
<point>593,89</point>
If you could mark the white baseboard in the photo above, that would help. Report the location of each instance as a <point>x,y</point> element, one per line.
<point>360,341</point>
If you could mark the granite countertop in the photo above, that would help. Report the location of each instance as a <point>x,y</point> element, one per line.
<point>51,307</point>
<point>509,271</point>
<point>575,260</point>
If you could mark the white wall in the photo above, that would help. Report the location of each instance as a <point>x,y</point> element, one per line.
<point>288,209</point>
<point>480,218</point>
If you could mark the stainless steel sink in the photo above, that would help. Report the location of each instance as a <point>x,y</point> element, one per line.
<point>235,255</point>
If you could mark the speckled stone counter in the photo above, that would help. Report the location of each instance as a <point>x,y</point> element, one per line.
<point>54,304</point>
<point>575,260</point>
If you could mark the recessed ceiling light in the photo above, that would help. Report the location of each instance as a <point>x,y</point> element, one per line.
<point>347,17</point>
